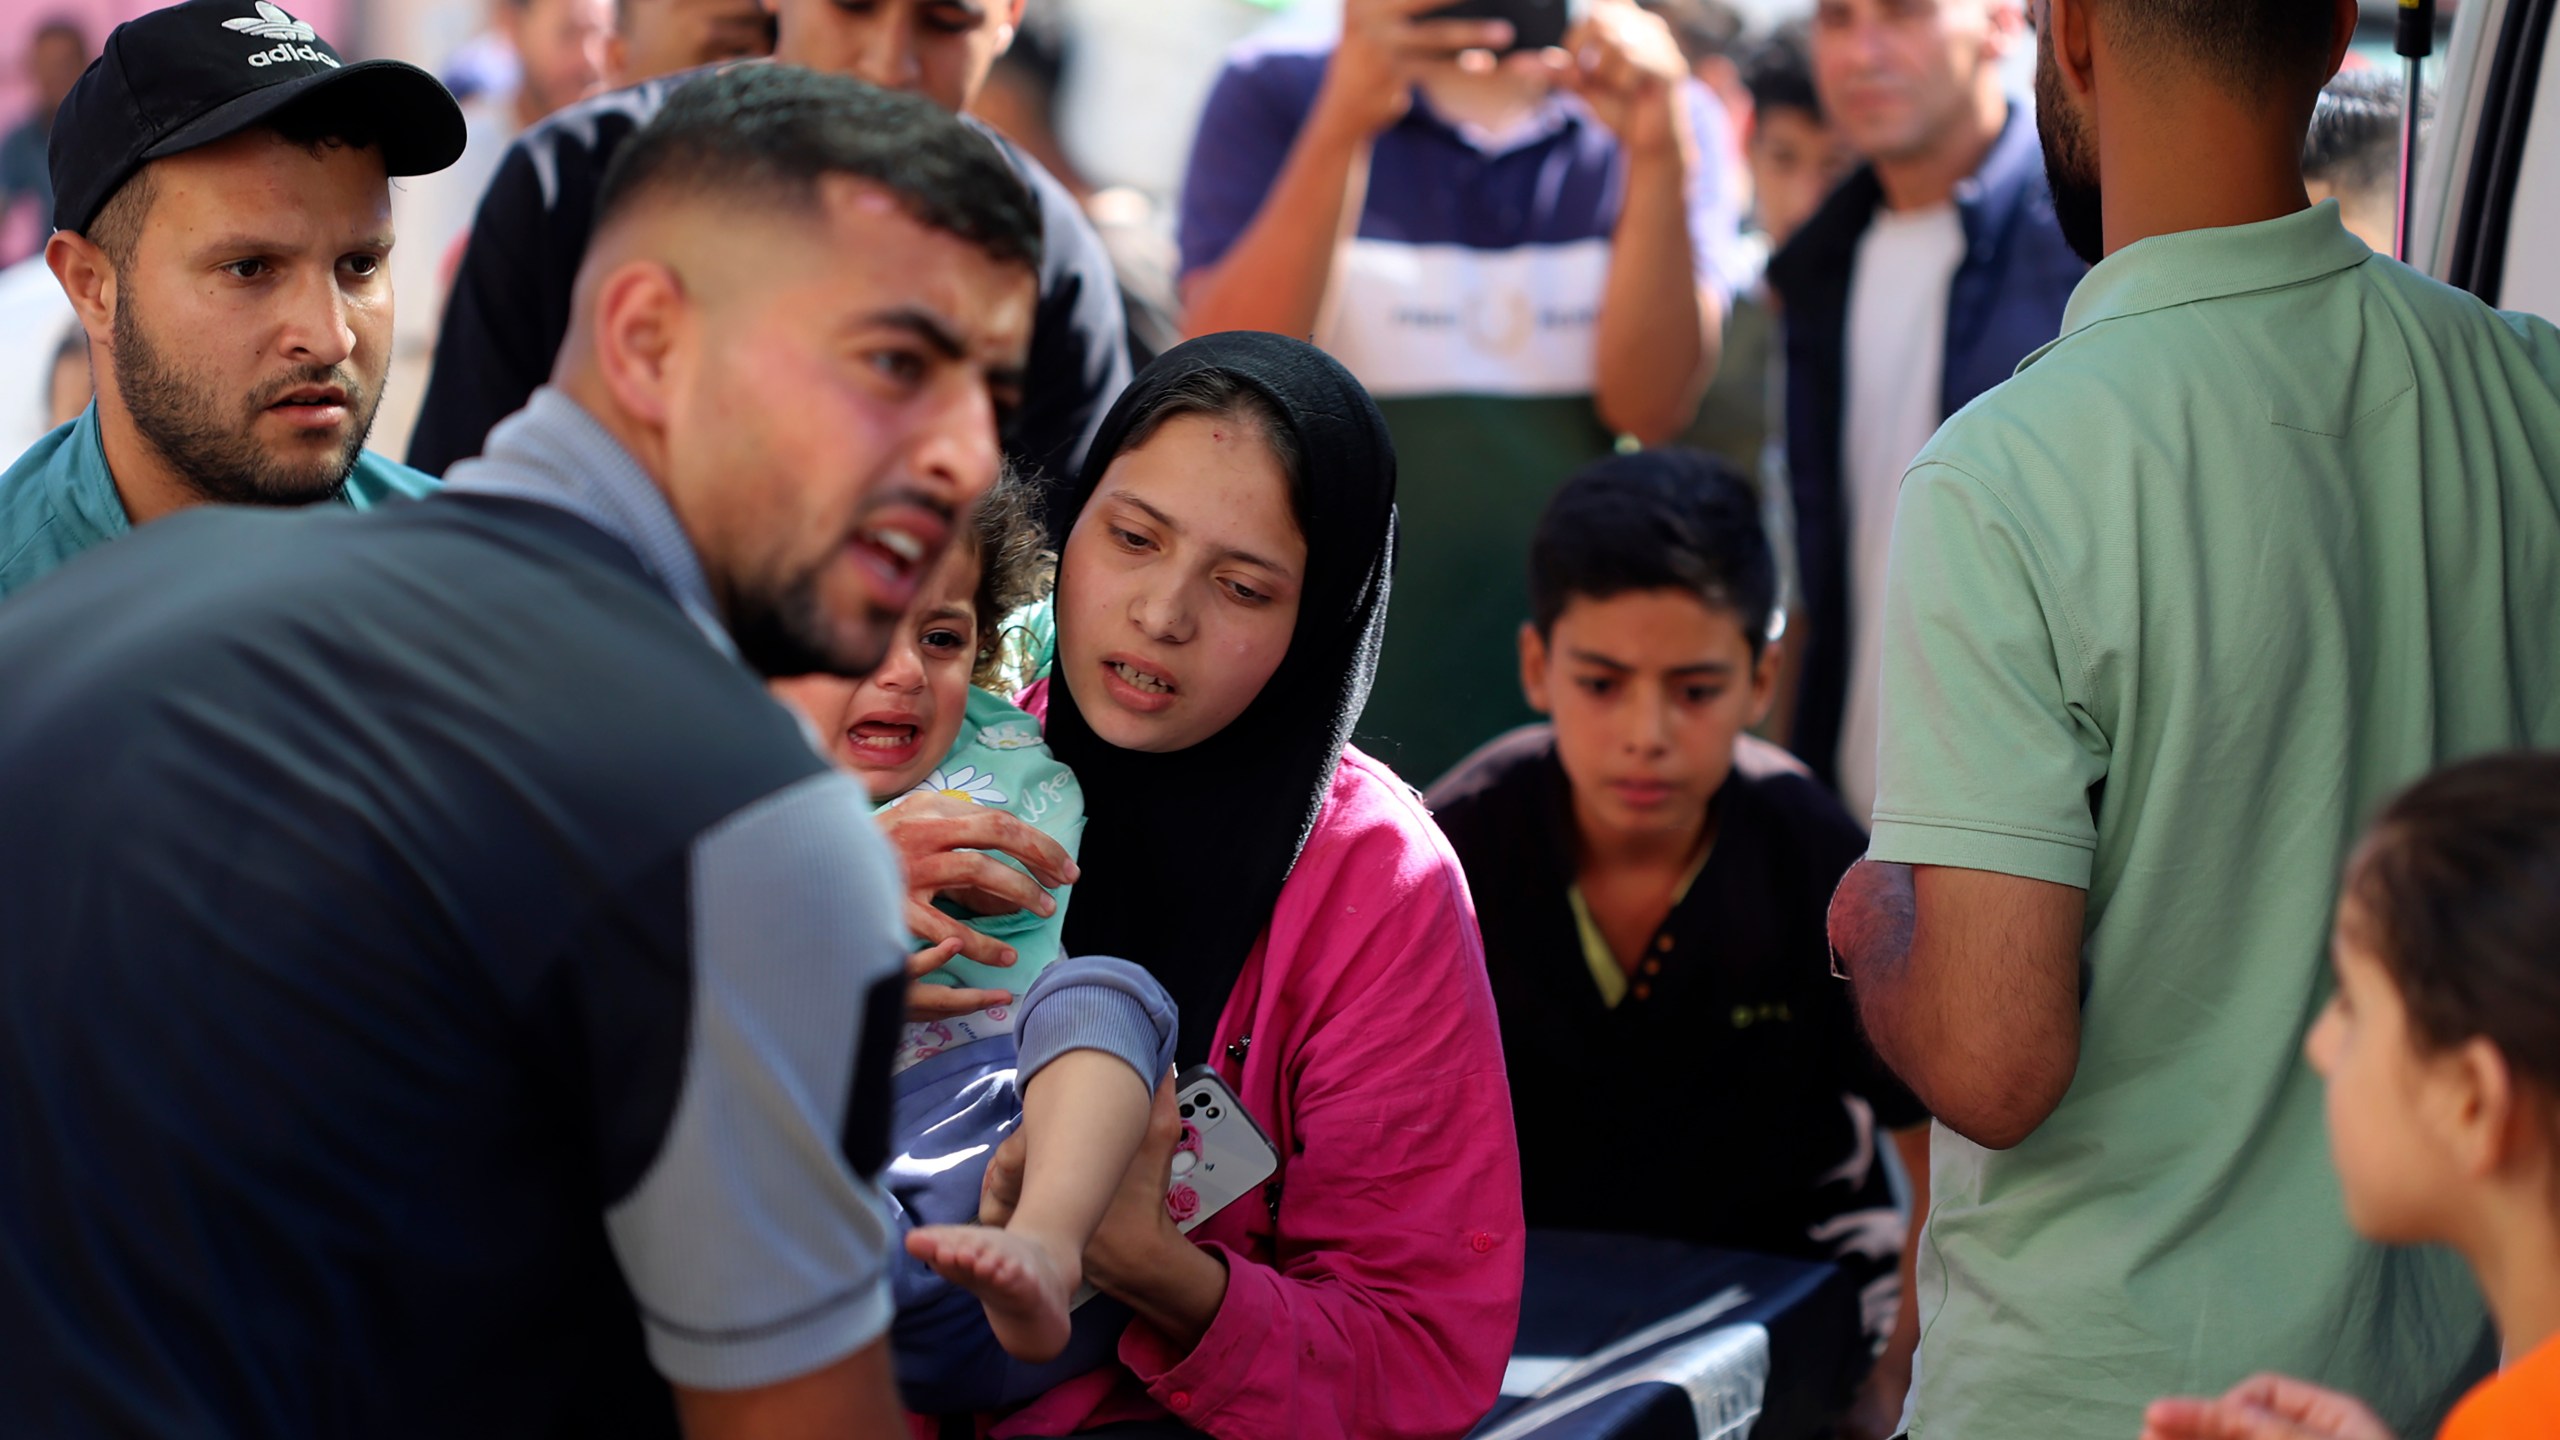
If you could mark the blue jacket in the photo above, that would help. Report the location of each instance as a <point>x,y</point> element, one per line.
<point>2006,300</point>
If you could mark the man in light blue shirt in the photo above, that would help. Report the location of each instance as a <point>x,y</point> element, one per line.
<point>222,214</point>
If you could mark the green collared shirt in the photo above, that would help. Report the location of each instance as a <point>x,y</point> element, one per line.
<point>2272,530</point>
<point>59,500</point>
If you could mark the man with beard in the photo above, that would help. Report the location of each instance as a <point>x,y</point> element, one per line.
<point>435,964</point>
<point>511,296</point>
<point>222,207</point>
<point>2270,531</point>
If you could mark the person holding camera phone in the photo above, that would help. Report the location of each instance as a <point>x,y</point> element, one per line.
<point>1517,253</point>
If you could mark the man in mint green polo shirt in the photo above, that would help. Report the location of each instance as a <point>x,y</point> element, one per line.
<point>222,213</point>
<point>2270,531</point>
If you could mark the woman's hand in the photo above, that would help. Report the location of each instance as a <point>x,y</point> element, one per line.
<point>1138,1255</point>
<point>1137,1232</point>
<point>942,843</point>
<point>2265,1407</point>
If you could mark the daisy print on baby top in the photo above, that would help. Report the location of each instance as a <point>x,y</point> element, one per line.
<point>966,783</point>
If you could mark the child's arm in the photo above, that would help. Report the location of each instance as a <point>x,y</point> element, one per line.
<point>1093,1033</point>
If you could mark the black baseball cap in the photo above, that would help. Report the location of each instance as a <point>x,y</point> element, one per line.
<point>206,70</point>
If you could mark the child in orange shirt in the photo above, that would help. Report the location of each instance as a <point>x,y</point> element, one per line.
<point>2442,1053</point>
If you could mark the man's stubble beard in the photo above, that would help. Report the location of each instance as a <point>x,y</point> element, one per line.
<point>781,632</point>
<point>2070,162</point>
<point>217,456</point>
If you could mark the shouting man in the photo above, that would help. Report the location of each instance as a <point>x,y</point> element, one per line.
<point>435,963</point>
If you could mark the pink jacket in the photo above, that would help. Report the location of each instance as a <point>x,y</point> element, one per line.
<point>1383,1299</point>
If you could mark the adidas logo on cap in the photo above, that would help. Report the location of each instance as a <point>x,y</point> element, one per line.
<point>271,23</point>
<point>286,54</point>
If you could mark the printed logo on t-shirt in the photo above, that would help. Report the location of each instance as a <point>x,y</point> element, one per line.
<point>1455,320</point>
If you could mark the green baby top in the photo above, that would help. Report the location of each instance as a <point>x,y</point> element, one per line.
<point>2272,530</point>
<point>999,759</point>
<point>58,499</point>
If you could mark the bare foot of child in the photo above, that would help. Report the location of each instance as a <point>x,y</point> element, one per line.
<point>1025,1286</point>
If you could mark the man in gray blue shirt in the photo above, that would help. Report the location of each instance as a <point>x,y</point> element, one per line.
<point>222,213</point>
<point>442,984</point>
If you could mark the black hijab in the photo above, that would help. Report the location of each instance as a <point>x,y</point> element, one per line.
<point>1182,887</point>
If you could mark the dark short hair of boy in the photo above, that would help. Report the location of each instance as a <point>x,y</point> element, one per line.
<point>1780,74</point>
<point>1655,520</point>
<point>764,136</point>
<point>2457,891</point>
<point>2353,146</point>
<point>1015,567</point>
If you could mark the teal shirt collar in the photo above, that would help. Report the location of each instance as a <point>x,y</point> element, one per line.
<point>2191,265</point>
<point>86,507</point>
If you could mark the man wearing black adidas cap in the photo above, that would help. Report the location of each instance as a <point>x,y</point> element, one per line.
<point>222,213</point>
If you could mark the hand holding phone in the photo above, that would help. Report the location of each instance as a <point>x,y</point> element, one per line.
<point>1535,24</point>
<point>1221,1156</point>
<point>1386,45</point>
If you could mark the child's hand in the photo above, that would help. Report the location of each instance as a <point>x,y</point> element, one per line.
<point>2265,1407</point>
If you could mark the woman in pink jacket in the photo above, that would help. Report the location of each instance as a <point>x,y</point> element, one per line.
<point>1219,608</point>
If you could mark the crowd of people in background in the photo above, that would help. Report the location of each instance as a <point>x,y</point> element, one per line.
<point>1428,585</point>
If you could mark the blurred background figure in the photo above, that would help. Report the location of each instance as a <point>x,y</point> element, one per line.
<point>1791,161</point>
<point>1106,94</point>
<point>1522,260</point>
<point>1920,283</point>
<point>33,315</point>
<point>660,37</point>
<point>560,52</point>
<point>1795,156</point>
<point>1794,159</point>
<point>2352,154</point>
<point>560,55</point>
<point>67,386</point>
<point>55,55</point>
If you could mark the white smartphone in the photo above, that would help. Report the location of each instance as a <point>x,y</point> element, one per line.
<point>1222,1156</point>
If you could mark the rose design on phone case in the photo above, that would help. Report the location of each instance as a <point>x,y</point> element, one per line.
<point>1181,1203</point>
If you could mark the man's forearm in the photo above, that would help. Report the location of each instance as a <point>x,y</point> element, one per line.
<point>1277,275</point>
<point>1660,327</point>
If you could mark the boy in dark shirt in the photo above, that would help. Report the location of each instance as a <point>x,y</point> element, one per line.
<point>1652,884</point>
